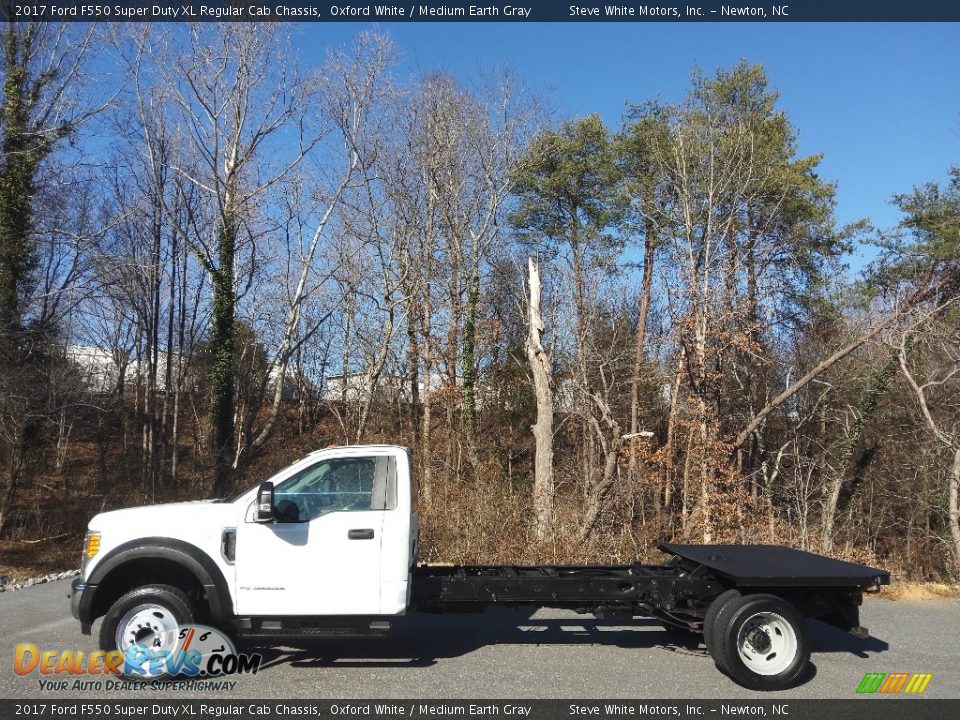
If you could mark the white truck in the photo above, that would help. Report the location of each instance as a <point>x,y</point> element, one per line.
<point>328,547</point>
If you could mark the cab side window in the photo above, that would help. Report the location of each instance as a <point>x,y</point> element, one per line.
<point>343,485</point>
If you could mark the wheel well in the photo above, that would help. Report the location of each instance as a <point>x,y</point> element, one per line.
<point>143,571</point>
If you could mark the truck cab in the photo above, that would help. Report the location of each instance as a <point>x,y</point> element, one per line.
<point>332,535</point>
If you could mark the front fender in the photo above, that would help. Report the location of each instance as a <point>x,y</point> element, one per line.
<point>92,603</point>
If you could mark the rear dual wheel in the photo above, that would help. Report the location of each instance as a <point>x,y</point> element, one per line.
<point>714,612</point>
<point>760,641</point>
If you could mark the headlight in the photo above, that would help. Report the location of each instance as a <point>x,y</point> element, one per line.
<point>91,546</point>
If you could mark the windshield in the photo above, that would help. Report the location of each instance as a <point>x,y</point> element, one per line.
<point>235,498</point>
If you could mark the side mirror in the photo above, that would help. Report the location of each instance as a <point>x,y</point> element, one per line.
<point>265,502</point>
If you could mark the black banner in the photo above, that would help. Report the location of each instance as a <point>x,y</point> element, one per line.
<point>389,11</point>
<point>892,708</point>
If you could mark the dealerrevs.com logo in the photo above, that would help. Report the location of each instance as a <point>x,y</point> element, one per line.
<point>181,653</point>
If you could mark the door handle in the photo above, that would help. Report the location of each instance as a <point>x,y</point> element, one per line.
<point>360,534</point>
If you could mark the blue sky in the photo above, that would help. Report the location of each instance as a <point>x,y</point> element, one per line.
<point>881,101</point>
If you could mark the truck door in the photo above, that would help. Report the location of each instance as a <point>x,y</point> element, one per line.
<point>321,556</point>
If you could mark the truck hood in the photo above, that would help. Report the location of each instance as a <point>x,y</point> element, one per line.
<point>200,524</point>
<point>169,519</point>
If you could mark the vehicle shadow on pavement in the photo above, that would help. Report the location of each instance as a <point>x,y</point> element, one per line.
<point>828,639</point>
<point>420,640</point>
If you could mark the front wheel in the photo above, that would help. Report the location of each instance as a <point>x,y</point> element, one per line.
<point>760,641</point>
<point>150,614</point>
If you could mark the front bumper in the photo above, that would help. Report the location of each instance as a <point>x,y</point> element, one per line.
<point>81,601</point>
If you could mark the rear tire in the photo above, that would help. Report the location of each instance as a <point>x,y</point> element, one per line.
<point>760,641</point>
<point>141,612</point>
<point>713,613</point>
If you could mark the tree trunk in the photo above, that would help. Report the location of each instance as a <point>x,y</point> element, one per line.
<point>426,432</point>
<point>222,375</point>
<point>165,429</point>
<point>15,464</point>
<point>468,364</point>
<point>649,245</point>
<point>953,506</point>
<point>543,488</point>
<point>6,506</point>
<point>866,407</point>
<point>669,478</point>
<point>413,361</point>
<point>151,462</point>
<point>344,411</point>
<point>706,472</point>
<point>21,152</point>
<point>452,355</point>
<point>597,496</point>
<point>610,438</point>
<point>685,491</point>
<point>178,390</point>
<point>375,370</point>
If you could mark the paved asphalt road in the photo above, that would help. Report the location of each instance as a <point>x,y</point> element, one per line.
<point>515,654</point>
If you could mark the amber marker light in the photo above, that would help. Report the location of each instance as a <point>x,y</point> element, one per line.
<point>91,544</point>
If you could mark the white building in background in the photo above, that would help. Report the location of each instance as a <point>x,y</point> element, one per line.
<point>293,383</point>
<point>355,387</point>
<point>100,370</point>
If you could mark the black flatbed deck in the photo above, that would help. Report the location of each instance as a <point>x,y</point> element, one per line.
<point>775,566</point>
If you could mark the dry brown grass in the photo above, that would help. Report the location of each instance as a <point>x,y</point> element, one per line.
<point>919,591</point>
<point>19,561</point>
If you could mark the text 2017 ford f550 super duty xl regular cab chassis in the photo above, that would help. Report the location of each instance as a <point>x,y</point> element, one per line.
<point>328,546</point>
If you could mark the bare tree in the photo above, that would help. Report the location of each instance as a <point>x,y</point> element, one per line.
<point>42,66</point>
<point>41,261</point>
<point>353,92</point>
<point>240,99</point>
<point>937,343</point>
<point>708,166</point>
<point>539,360</point>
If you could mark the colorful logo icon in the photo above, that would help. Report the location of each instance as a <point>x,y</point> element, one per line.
<point>894,683</point>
